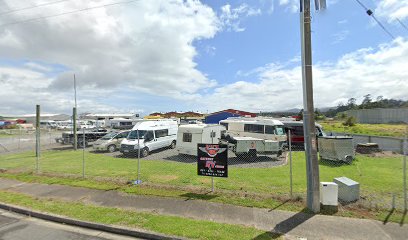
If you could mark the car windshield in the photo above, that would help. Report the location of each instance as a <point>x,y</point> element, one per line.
<point>109,136</point>
<point>133,134</point>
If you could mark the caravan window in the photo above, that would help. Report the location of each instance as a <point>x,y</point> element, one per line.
<point>187,137</point>
<point>161,133</point>
<point>225,125</point>
<point>269,129</point>
<point>254,128</point>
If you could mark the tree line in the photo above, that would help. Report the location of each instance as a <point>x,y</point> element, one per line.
<point>367,103</point>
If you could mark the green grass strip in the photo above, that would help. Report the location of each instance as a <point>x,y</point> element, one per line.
<point>171,225</point>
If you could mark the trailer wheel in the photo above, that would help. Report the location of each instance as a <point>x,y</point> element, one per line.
<point>145,152</point>
<point>173,145</point>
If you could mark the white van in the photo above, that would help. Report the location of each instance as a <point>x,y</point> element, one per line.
<point>150,135</point>
<point>262,128</point>
<point>190,135</point>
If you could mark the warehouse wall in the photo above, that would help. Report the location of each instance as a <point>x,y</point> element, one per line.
<point>380,115</point>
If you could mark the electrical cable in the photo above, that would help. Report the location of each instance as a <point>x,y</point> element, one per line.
<point>66,13</point>
<point>371,14</point>
<point>35,6</point>
<point>402,24</point>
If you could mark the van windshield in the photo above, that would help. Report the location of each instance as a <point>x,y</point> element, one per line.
<point>133,134</point>
<point>279,130</point>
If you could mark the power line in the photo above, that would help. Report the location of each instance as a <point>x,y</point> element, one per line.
<point>66,13</point>
<point>402,24</point>
<point>371,14</point>
<point>35,6</point>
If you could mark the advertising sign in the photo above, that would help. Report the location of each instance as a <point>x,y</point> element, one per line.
<point>212,160</point>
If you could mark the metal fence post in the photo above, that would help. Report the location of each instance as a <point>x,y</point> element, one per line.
<point>138,181</point>
<point>404,169</point>
<point>290,163</point>
<point>38,144</point>
<point>212,178</point>
<point>83,152</point>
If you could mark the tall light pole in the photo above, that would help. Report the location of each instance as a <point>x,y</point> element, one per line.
<point>312,163</point>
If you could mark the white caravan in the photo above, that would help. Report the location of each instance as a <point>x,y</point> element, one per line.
<point>190,135</point>
<point>261,128</point>
<point>150,135</point>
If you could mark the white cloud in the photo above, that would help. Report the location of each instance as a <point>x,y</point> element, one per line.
<point>392,9</point>
<point>146,46</point>
<point>231,17</point>
<point>291,5</point>
<point>379,71</point>
<point>340,36</point>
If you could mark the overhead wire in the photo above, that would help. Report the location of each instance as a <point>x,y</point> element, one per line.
<point>31,7</point>
<point>402,24</point>
<point>66,13</point>
<point>371,14</point>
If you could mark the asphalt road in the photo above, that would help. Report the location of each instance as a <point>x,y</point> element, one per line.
<point>19,227</point>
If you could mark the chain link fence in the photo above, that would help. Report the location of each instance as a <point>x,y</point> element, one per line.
<point>264,177</point>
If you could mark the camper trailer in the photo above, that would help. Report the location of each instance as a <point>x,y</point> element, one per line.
<point>150,135</point>
<point>259,128</point>
<point>190,135</point>
<point>297,134</point>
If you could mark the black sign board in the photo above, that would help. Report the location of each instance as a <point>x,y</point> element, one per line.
<point>212,160</point>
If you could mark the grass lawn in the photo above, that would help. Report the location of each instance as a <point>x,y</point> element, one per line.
<point>392,130</point>
<point>171,225</point>
<point>379,178</point>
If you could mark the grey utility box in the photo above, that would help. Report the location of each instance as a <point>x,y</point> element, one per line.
<point>336,148</point>
<point>349,190</point>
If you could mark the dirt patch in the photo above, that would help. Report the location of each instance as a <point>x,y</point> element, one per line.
<point>382,154</point>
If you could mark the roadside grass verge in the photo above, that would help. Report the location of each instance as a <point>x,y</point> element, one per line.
<point>390,130</point>
<point>379,178</point>
<point>171,225</point>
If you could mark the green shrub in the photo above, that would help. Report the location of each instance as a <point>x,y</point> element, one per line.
<point>350,121</point>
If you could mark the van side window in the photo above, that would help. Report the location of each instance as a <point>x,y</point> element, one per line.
<point>254,128</point>
<point>297,130</point>
<point>269,129</point>
<point>161,133</point>
<point>187,137</point>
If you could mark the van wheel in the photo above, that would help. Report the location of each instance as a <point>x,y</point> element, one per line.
<point>252,153</point>
<point>145,152</point>
<point>173,145</point>
<point>111,148</point>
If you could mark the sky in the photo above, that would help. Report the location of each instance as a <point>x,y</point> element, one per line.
<point>144,56</point>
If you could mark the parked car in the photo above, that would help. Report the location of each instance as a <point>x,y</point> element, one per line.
<point>110,142</point>
<point>150,135</point>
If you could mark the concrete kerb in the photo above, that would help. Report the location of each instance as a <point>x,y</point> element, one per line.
<point>95,226</point>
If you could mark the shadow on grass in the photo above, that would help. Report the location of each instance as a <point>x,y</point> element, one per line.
<point>332,164</point>
<point>388,216</point>
<point>62,148</point>
<point>200,196</point>
<point>280,205</point>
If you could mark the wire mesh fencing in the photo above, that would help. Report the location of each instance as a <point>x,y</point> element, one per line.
<point>261,176</point>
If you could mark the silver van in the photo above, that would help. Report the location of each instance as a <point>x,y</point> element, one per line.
<point>110,142</point>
